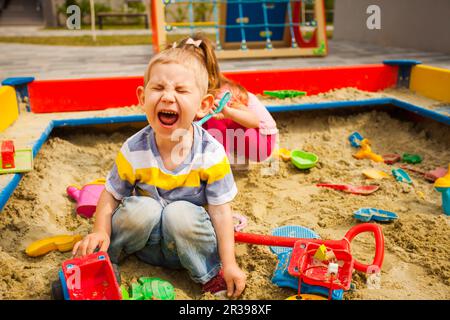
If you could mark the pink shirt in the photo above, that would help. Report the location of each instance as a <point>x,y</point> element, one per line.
<point>267,125</point>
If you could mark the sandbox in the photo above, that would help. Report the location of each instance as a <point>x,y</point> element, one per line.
<point>73,151</point>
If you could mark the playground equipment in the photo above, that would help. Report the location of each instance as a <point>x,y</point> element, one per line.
<point>87,197</point>
<point>89,278</point>
<point>442,185</point>
<point>249,28</point>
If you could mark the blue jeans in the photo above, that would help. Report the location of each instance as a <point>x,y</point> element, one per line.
<point>175,236</point>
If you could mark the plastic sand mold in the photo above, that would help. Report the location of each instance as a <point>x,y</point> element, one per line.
<point>283,154</point>
<point>435,174</point>
<point>291,232</point>
<point>149,289</point>
<point>401,175</point>
<point>355,139</point>
<point>367,214</point>
<point>375,174</point>
<point>411,158</point>
<point>23,162</point>
<point>283,94</point>
<point>391,158</point>
<point>303,160</point>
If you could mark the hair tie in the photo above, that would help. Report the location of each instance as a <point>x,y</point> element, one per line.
<point>195,43</point>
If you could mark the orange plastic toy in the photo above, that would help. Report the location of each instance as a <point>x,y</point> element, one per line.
<point>366,152</point>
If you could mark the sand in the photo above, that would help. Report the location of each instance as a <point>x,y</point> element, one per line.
<point>417,253</point>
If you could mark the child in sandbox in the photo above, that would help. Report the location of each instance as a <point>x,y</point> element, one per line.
<point>244,126</point>
<point>163,175</point>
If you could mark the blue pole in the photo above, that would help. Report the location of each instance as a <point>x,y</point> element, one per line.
<point>216,18</point>
<point>268,42</point>
<point>241,23</point>
<point>291,27</point>
<point>191,17</point>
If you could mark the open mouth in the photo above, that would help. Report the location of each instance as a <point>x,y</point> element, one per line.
<point>167,118</point>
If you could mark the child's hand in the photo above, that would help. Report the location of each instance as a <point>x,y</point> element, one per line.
<point>99,239</point>
<point>235,280</point>
<point>220,115</point>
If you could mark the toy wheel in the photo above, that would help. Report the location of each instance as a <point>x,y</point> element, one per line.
<point>57,290</point>
<point>117,273</point>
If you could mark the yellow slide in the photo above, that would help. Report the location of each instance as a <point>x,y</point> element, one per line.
<point>62,243</point>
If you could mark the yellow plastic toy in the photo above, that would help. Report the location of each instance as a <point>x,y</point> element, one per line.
<point>375,174</point>
<point>366,152</point>
<point>283,154</point>
<point>62,243</point>
<point>442,185</point>
<point>321,253</point>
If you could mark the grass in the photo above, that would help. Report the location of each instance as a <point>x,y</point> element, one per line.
<point>105,27</point>
<point>110,40</point>
<point>118,40</point>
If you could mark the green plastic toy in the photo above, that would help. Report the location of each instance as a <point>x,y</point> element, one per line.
<point>303,160</point>
<point>283,94</point>
<point>411,158</point>
<point>149,289</point>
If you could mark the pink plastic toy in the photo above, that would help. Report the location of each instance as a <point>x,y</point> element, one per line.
<point>87,196</point>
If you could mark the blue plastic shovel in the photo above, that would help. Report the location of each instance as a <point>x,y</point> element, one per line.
<point>226,97</point>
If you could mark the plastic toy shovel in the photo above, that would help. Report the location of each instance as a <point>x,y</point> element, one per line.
<point>226,97</point>
<point>364,190</point>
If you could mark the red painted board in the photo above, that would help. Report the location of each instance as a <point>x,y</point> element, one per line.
<point>103,93</point>
<point>83,94</point>
<point>316,80</point>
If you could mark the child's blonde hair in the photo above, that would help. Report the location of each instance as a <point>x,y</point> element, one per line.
<point>188,58</point>
<point>216,80</point>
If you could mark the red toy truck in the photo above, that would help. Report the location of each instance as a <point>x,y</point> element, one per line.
<point>92,277</point>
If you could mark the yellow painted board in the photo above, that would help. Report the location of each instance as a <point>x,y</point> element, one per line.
<point>8,107</point>
<point>431,82</point>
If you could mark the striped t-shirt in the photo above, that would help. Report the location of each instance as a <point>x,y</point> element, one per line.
<point>203,178</point>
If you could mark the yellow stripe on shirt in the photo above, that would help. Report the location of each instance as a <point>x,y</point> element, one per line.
<point>160,179</point>
<point>125,169</point>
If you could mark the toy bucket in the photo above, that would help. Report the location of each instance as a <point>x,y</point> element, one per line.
<point>87,197</point>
